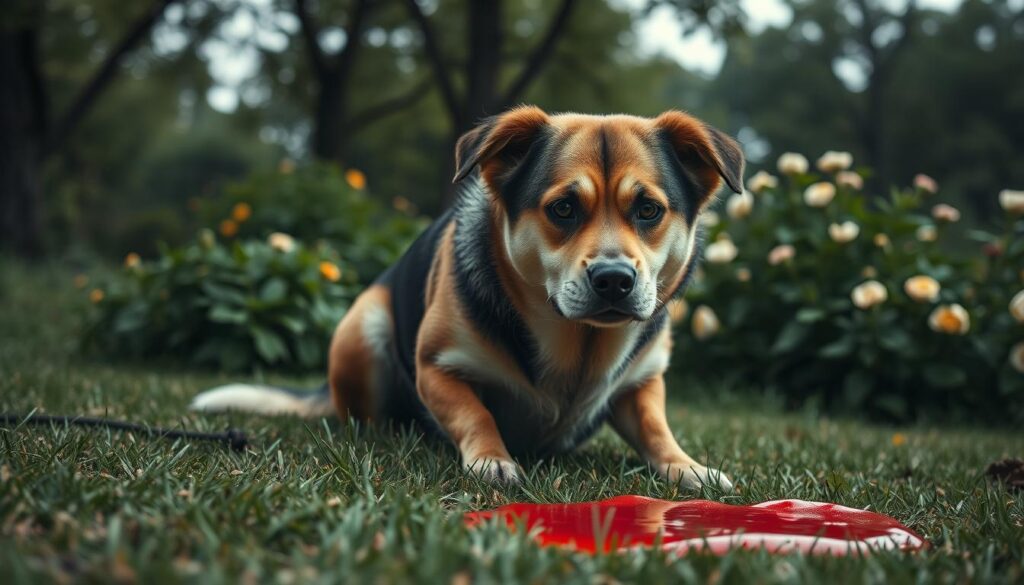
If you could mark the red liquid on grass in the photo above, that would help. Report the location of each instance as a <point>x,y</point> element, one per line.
<point>779,526</point>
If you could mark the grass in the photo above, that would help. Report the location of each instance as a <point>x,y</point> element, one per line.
<point>316,501</point>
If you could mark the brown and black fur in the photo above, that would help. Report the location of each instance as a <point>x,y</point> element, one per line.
<point>497,329</point>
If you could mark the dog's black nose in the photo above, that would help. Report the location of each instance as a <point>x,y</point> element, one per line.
<point>612,281</point>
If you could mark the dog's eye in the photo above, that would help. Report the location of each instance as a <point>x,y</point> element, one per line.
<point>648,211</point>
<point>563,209</point>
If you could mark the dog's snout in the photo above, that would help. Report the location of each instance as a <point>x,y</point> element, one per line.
<point>612,281</point>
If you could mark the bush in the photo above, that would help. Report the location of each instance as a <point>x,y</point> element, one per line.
<point>317,202</point>
<point>237,305</point>
<point>815,292</point>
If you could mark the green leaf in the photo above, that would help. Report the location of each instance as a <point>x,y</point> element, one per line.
<point>269,345</point>
<point>810,315</point>
<point>790,337</point>
<point>225,314</point>
<point>943,375</point>
<point>839,348</point>
<point>274,290</point>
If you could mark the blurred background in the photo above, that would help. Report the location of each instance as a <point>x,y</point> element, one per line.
<point>116,115</point>
<point>220,178</point>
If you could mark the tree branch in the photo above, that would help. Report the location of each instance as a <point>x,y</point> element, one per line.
<point>535,62</point>
<point>101,79</point>
<point>389,106</point>
<point>433,50</point>
<point>353,32</point>
<point>310,35</point>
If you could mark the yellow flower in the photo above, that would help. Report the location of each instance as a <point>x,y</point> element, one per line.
<point>950,319</point>
<point>781,253</point>
<point>761,181</point>
<point>80,280</point>
<point>819,194</point>
<point>850,179</point>
<point>330,271</point>
<point>132,260</point>
<point>722,251</point>
<point>1017,356</point>
<point>705,323</point>
<point>206,238</point>
<point>241,212</point>
<point>677,310</point>
<point>843,233</point>
<point>927,233</point>
<point>355,179</point>
<point>740,205</point>
<point>882,240</point>
<point>792,163</point>
<point>868,294</point>
<point>1017,306</point>
<point>898,439</point>
<point>1012,201</point>
<point>925,183</point>
<point>96,295</point>
<point>833,162</point>
<point>946,213</point>
<point>228,228</point>
<point>281,242</point>
<point>922,288</point>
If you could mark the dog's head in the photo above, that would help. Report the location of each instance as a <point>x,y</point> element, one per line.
<point>601,211</point>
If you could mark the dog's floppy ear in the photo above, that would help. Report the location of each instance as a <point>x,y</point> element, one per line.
<point>707,153</point>
<point>498,142</point>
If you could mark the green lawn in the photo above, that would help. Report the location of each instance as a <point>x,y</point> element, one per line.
<point>314,501</point>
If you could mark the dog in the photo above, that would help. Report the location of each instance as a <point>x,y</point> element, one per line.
<point>534,310</point>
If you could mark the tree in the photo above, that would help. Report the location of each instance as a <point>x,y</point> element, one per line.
<point>29,132</point>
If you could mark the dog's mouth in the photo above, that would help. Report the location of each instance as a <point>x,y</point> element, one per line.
<point>611,316</point>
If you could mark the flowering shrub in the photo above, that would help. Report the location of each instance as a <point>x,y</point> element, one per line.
<point>237,305</point>
<point>317,202</point>
<point>817,292</point>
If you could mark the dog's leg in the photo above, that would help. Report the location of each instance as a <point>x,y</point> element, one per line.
<point>467,422</point>
<point>639,418</point>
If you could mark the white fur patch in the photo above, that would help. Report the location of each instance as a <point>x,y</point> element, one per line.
<point>260,400</point>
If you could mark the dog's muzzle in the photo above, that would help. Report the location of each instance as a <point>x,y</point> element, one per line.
<point>612,283</point>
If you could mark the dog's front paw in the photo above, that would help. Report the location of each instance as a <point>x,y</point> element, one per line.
<point>695,476</point>
<point>494,470</point>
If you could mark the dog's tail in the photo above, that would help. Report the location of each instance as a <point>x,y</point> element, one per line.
<point>268,400</point>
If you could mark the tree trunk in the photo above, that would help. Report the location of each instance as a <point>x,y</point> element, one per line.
<point>330,135</point>
<point>22,127</point>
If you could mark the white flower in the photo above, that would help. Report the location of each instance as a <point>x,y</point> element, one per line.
<point>781,253</point>
<point>677,310</point>
<point>925,183</point>
<point>832,161</point>
<point>1012,201</point>
<point>740,205</point>
<point>281,242</point>
<point>1017,307</point>
<point>709,218</point>
<point>1017,356</point>
<point>819,194</point>
<point>843,233</point>
<point>791,163</point>
<point>950,319</point>
<point>762,180</point>
<point>922,288</point>
<point>881,240</point>
<point>850,179</point>
<point>705,322</point>
<point>868,294</point>
<point>926,233</point>
<point>946,213</point>
<point>722,251</point>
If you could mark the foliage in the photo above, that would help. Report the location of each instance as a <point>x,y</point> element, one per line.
<point>312,203</point>
<point>790,310</point>
<point>237,305</point>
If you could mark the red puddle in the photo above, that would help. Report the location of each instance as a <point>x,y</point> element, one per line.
<point>780,526</point>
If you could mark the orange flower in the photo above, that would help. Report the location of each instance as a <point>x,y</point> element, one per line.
<point>132,260</point>
<point>96,295</point>
<point>228,228</point>
<point>355,179</point>
<point>330,271</point>
<point>402,204</point>
<point>241,212</point>
<point>81,280</point>
<point>286,166</point>
<point>898,439</point>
